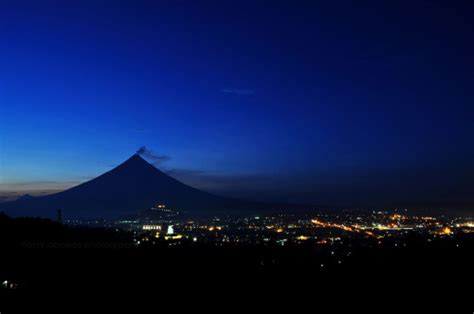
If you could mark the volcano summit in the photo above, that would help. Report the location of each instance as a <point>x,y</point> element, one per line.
<point>130,187</point>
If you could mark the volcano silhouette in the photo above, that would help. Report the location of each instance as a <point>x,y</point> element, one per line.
<point>130,187</point>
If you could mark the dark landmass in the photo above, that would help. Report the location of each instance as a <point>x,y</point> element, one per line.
<point>50,261</point>
<point>130,187</point>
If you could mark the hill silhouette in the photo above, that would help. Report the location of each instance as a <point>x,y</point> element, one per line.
<point>130,187</point>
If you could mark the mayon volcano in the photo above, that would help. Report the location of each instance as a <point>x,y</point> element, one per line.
<point>130,187</point>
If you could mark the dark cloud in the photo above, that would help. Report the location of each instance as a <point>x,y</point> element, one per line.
<point>344,187</point>
<point>217,182</point>
<point>152,157</point>
<point>185,172</point>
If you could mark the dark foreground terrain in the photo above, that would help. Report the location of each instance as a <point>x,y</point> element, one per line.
<point>45,263</point>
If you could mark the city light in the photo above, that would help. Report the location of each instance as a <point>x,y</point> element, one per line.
<point>331,225</point>
<point>151,227</point>
<point>446,230</point>
<point>174,237</point>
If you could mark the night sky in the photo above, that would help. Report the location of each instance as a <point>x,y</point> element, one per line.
<point>323,102</point>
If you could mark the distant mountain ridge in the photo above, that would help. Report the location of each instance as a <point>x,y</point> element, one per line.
<point>130,187</point>
<point>25,197</point>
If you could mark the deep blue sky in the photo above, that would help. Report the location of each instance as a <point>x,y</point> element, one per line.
<point>329,102</point>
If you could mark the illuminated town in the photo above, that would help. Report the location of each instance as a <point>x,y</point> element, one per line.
<point>161,224</point>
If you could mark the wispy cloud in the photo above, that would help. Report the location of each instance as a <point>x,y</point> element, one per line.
<point>152,157</point>
<point>216,181</point>
<point>207,180</point>
<point>37,185</point>
<point>238,91</point>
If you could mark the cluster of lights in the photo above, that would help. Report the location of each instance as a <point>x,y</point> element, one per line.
<point>445,231</point>
<point>359,228</point>
<point>174,237</point>
<point>469,224</point>
<point>397,217</point>
<point>331,225</point>
<point>151,227</point>
<point>283,228</point>
<point>213,228</point>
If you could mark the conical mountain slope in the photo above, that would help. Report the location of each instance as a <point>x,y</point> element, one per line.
<point>132,186</point>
